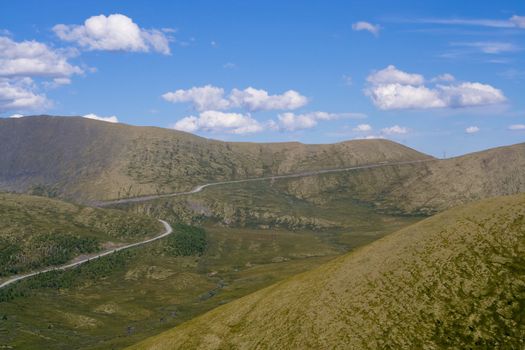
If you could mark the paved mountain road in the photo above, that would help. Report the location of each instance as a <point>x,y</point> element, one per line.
<point>168,228</point>
<point>275,177</point>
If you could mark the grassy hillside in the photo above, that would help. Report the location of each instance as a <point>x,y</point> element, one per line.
<point>37,232</point>
<point>424,188</point>
<point>336,200</point>
<point>84,159</point>
<point>115,302</point>
<point>456,280</point>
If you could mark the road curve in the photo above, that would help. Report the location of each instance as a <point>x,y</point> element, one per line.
<point>276,177</point>
<point>167,230</point>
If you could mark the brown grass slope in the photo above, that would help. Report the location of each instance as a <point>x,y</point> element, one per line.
<point>451,182</point>
<point>456,280</point>
<point>424,188</point>
<point>84,159</point>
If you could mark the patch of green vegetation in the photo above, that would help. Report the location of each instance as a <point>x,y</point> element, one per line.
<point>90,272</point>
<point>38,232</point>
<point>186,241</point>
<point>53,248</point>
<point>44,191</point>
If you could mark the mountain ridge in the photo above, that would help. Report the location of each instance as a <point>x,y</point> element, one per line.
<point>88,159</point>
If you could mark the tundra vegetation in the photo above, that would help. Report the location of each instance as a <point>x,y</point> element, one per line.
<point>234,240</point>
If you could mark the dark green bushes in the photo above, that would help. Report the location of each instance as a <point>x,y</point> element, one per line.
<point>90,271</point>
<point>52,248</point>
<point>186,241</point>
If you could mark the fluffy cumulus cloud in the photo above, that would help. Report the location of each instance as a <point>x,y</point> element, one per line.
<point>371,137</point>
<point>392,75</point>
<point>202,98</point>
<point>210,97</point>
<point>110,119</point>
<point>443,77</point>
<point>258,99</point>
<point>32,58</point>
<point>517,127</point>
<point>518,21</point>
<point>394,130</point>
<point>392,88</point>
<point>366,131</point>
<point>472,129</point>
<point>367,26</point>
<point>115,32</point>
<point>16,116</point>
<point>21,63</point>
<point>292,122</point>
<point>20,94</point>
<point>216,121</point>
<point>363,128</point>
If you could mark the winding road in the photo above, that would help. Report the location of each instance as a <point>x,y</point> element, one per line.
<point>168,228</point>
<point>275,177</point>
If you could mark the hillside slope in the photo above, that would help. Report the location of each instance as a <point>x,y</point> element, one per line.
<point>424,188</point>
<point>334,200</point>
<point>84,159</point>
<point>456,280</point>
<point>37,232</point>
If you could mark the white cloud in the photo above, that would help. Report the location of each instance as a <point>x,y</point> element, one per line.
<point>362,128</point>
<point>292,122</point>
<point>22,61</point>
<point>372,28</point>
<point>391,88</point>
<point>34,59</point>
<point>443,77</point>
<point>19,95</point>
<point>517,127</point>
<point>397,96</point>
<point>258,99</point>
<point>472,130</point>
<point>114,32</point>
<point>518,21</point>
<point>16,116</point>
<point>396,129</point>
<point>203,98</point>
<point>490,47</point>
<point>111,119</point>
<point>392,75</point>
<point>513,22</point>
<point>347,79</point>
<point>215,121</point>
<point>229,65</point>
<point>213,98</point>
<point>369,137</point>
<point>470,94</point>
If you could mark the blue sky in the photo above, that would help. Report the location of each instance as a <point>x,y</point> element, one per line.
<point>445,76</point>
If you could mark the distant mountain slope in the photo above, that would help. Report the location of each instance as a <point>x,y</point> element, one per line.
<point>450,182</point>
<point>84,159</point>
<point>37,232</point>
<point>424,188</point>
<point>456,280</point>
